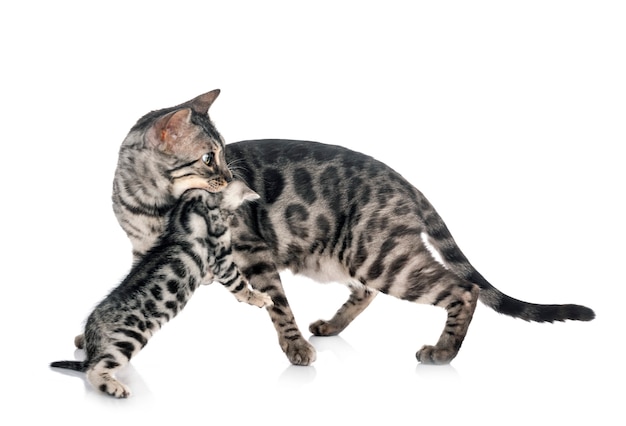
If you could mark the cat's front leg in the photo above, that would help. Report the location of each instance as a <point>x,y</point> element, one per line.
<point>297,349</point>
<point>263,276</point>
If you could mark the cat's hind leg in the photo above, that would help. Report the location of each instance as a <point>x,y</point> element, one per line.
<point>422,279</point>
<point>460,303</point>
<point>360,298</point>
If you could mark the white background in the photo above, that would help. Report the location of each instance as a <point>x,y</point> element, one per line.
<point>509,116</point>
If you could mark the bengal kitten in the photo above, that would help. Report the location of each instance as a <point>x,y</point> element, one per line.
<point>194,249</point>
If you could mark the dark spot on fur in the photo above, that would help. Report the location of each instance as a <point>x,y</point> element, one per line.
<point>131,320</point>
<point>178,267</point>
<point>172,286</point>
<point>329,179</point>
<point>397,265</point>
<point>273,184</point>
<point>303,183</point>
<point>126,348</point>
<point>279,300</point>
<point>111,364</point>
<point>192,283</point>
<point>360,256</point>
<point>157,293</point>
<point>258,269</point>
<point>296,216</point>
<point>172,306</point>
<point>376,269</point>
<point>322,230</point>
<point>150,307</point>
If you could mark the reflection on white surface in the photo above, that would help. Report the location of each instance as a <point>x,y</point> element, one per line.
<point>335,345</point>
<point>297,375</point>
<point>434,372</point>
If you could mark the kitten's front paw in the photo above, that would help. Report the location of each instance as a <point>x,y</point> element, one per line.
<point>299,352</point>
<point>433,355</point>
<point>260,299</point>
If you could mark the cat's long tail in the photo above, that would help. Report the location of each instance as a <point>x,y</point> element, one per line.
<point>439,237</point>
<point>70,365</point>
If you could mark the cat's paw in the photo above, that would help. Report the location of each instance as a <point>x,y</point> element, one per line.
<point>324,328</point>
<point>434,355</point>
<point>299,352</point>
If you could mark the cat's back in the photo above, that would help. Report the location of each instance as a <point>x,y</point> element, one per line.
<point>310,171</point>
<point>287,153</point>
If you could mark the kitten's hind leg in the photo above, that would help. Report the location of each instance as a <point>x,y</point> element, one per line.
<point>360,298</point>
<point>79,341</point>
<point>460,302</point>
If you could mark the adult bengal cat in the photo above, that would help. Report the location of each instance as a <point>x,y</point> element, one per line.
<point>325,212</point>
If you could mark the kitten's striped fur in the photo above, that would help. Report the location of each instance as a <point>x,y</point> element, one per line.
<point>194,249</point>
<point>335,215</point>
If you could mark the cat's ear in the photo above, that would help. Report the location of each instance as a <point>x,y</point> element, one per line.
<point>202,103</point>
<point>169,129</point>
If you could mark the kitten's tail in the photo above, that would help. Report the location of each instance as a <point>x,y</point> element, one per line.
<point>70,365</point>
<point>439,237</point>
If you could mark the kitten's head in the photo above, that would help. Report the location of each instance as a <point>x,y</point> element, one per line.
<point>235,194</point>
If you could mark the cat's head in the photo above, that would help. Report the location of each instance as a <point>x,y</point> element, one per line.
<point>184,145</point>
<point>166,153</point>
<point>235,194</point>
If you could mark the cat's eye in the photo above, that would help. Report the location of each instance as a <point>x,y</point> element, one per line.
<point>207,158</point>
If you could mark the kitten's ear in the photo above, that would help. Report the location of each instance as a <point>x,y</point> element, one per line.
<point>248,195</point>
<point>169,129</point>
<point>202,103</point>
<point>235,194</point>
